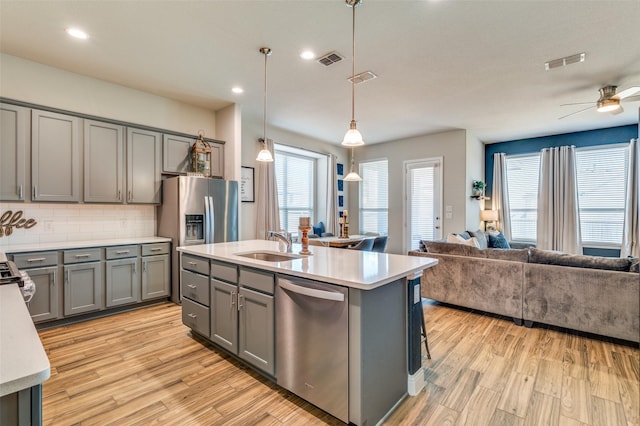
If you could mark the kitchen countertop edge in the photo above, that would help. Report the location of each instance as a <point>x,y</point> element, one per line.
<point>70,245</point>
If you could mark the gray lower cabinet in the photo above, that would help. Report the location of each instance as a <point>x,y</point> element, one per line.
<point>103,162</point>
<point>256,336</point>
<point>156,277</point>
<point>224,315</point>
<point>83,288</point>
<point>14,134</point>
<point>44,304</point>
<point>122,285</point>
<point>55,157</point>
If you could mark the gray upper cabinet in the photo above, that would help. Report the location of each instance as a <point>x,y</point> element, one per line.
<point>14,131</point>
<point>103,162</point>
<point>217,160</point>
<point>175,154</point>
<point>55,156</point>
<point>144,163</point>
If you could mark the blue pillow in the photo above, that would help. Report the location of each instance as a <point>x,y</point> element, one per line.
<point>498,241</point>
<point>319,229</point>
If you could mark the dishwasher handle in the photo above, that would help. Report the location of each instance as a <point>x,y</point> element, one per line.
<point>312,292</point>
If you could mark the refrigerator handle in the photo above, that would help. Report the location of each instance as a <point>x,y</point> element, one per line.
<point>212,222</point>
<point>207,238</point>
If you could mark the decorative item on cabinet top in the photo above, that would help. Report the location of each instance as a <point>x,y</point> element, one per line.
<point>201,153</point>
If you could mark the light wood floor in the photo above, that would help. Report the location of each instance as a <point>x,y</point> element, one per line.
<point>143,367</point>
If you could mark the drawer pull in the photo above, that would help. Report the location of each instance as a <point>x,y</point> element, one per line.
<point>192,263</point>
<point>156,249</point>
<point>194,316</point>
<point>122,252</point>
<point>192,286</point>
<point>82,256</point>
<point>37,259</point>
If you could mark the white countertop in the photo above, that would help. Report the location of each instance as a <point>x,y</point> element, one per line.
<point>24,362</point>
<point>351,268</point>
<point>67,245</point>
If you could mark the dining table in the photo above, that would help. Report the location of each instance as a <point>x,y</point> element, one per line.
<point>339,242</point>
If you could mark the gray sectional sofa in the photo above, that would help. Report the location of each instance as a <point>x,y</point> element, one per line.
<point>586,293</point>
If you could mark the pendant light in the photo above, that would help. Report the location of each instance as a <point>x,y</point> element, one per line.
<point>353,176</point>
<point>353,136</point>
<point>265,154</point>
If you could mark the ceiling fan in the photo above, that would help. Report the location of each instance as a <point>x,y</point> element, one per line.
<point>609,100</point>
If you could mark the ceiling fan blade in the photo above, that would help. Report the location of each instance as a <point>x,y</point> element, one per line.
<point>617,111</point>
<point>627,92</point>
<point>577,103</point>
<point>632,99</point>
<point>576,112</point>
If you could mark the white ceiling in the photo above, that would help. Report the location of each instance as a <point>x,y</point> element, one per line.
<point>441,65</point>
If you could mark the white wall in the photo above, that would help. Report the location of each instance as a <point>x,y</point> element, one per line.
<point>449,145</point>
<point>475,171</point>
<point>252,130</point>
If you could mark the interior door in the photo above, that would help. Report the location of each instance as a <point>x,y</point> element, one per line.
<point>423,203</point>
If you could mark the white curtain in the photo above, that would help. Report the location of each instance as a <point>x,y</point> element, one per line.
<point>331,213</point>
<point>500,195</point>
<point>631,234</point>
<point>267,208</point>
<point>558,225</point>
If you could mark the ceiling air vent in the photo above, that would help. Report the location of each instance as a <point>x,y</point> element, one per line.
<point>362,77</point>
<point>567,60</point>
<point>329,59</point>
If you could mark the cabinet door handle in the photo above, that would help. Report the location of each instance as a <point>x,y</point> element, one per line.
<point>144,266</point>
<point>82,256</point>
<point>134,267</point>
<point>240,297</point>
<point>158,249</point>
<point>233,299</point>
<point>193,316</point>
<point>192,263</point>
<point>130,196</point>
<point>34,191</point>
<point>36,259</point>
<point>122,252</point>
<point>66,276</point>
<point>119,195</point>
<point>191,286</point>
<point>20,192</point>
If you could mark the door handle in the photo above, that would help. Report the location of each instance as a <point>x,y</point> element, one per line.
<point>240,297</point>
<point>36,259</point>
<point>20,191</point>
<point>34,191</point>
<point>312,292</point>
<point>233,296</point>
<point>130,196</point>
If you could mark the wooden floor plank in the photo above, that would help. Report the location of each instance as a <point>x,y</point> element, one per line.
<point>145,367</point>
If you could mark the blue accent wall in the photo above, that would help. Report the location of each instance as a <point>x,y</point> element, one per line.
<point>611,135</point>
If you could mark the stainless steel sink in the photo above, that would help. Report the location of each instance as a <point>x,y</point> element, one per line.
<point>269,256</point>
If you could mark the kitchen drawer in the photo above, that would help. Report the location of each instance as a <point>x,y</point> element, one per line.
<point>82,255</point>
<point>153,249</point>
<point>195,264</point>
<point>36,259</point>
<point>195,287</point>
<point>195,316</point>
<point>121,252</point>
<point>258,280</point>
<point>224,271</point>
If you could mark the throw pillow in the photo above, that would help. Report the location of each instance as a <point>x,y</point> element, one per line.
<point>498,241</point>
<point>464,235</point>
<point>457,239</point>
<point>318,229</point>
<point>481,237</point>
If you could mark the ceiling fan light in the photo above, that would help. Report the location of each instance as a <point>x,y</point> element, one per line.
<point>353,137</point>
<point>608,105</point>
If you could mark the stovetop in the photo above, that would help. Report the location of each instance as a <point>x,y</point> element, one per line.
<point>9,273</point>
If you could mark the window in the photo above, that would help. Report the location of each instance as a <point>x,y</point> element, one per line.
<point>602,175</point>
<point>295,174</point>
<point>423,188</point>
<point>374,200</point>
<point>522,183</point>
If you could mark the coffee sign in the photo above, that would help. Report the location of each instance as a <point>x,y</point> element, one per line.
<point>10,220</point>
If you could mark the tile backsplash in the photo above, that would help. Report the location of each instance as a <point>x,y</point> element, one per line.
<point>80,222</point>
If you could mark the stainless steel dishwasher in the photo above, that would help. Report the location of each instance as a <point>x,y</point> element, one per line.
<point>312,344</point>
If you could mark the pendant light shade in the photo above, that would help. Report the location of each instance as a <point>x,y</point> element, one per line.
<point>352,176</point>
<point>265,154</point>
<point>353,136</point>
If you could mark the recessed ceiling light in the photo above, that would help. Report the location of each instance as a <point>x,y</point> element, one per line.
<point>77,33</point>
<point>237,90</point>
<point>307,54</point>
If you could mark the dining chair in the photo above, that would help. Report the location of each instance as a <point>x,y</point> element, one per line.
<point>379,244</point>
<point>364,245</point>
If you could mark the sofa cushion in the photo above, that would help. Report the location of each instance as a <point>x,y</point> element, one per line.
<point>454,249</point>
<point>512,255</point>
<point>479,235</point>
<point>578,261</point>
<point>498,241</point>
<point>458,239</point>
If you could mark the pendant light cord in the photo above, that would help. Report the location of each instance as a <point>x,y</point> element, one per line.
<point>353,64</point>
<point>266,52</point>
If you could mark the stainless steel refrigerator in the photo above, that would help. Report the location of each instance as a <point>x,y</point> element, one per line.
<point>196,210</point>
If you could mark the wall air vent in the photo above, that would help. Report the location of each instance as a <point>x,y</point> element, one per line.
<point>567,60</point>
<point>362,77</point>
<point>329,59</point>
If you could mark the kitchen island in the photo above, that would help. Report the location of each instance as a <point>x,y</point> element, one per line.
<point>337,327</point>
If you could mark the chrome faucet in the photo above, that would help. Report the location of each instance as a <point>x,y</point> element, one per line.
<point>283,236</point>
